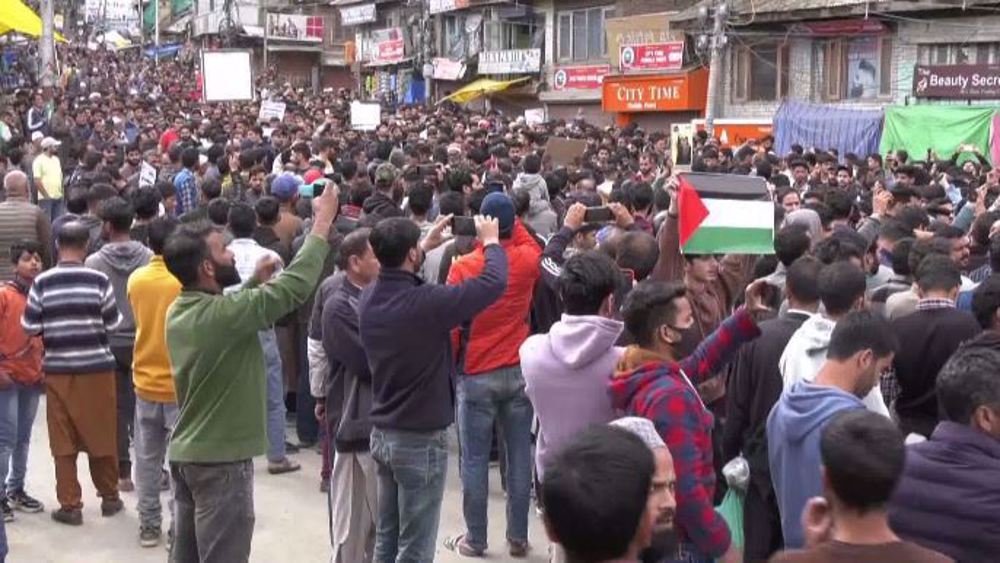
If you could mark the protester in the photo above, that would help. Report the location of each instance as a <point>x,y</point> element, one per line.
<point>117,259</point>
<point>862,459</point>
<point>151,289</point>
<point>412,401</point>
<point>491,388</point>
<point>211,340</point>
<point>861,348</point>
<point>73,308</point>
<point>47,172</point>
<point>946,498</point>
<point>21,380</point>
<point>247,254</point>
<point>932,334</point>
<point>651,381</point>
<point>755,385</point>
<point>597,491</point>
<point>21,221</point>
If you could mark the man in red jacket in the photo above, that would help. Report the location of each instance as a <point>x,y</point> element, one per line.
<point>491,387</point>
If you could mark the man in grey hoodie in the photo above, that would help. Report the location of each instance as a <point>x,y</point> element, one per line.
<point>118,258</point>
<point>540,217</point>
<point>566,371</point>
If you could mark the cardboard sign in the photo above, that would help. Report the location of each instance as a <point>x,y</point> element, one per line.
<point>534,116</point>
<point>269,109</point>
<point>365,116</point>
<point>653,56</point>
<point>564,152</point>
<point>579,77</point>
<point>147,175</point>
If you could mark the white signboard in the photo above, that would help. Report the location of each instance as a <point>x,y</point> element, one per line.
<point>226,75</point>
<point>294,27</point>
<point>354,15</point>
<point>147,175</point>
<point>447,69</point>
<point>441,6</point>
<point>269,109</point>
<point>514,61</point>
<point>534,116</point>
<point>120,15</point>
<point>365,116</point>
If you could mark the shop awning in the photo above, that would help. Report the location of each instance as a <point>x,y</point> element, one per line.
<point>481,87</point>
<point>16,16</point>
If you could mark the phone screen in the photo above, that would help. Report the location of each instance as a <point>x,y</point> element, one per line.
<point>598,215</point>
<point>463,226</point>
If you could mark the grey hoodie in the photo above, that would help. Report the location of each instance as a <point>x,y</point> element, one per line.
<point>566,374</point>
<point>806,352</point>
<point>118,260</point>
<point>540,217</point>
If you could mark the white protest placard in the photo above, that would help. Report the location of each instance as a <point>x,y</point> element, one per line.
<point>365,116</point>
<point>226,75</point>
<point>147,175</point>
<point>270,109</point>
<point>534,116</point>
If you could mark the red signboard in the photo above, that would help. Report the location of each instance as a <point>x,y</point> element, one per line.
<point>834,28</point>
<point>653,56</point>
<point>579,77</point>
<point>389,51</point>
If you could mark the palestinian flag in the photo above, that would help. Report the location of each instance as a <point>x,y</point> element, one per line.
<point>723,214</point>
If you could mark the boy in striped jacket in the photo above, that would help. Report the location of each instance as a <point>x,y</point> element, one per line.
<point>73,309</point>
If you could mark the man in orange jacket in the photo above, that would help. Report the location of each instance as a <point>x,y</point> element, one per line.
<point>20,380</point>
<point>491,387</point>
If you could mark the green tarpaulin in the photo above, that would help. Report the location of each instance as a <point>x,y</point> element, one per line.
<point>939,128</point>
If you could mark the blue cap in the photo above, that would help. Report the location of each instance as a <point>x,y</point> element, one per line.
<point>285,186</point>
<point>500,207</point>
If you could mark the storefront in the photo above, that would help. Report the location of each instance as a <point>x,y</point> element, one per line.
<point>387,68</point>
<point>654,102</point>
<point>294,44</point>
<point>575,90</point>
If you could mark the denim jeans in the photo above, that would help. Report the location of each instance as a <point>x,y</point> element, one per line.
<point>275,395</point>
<point>213,512</point>
<point>53,208</point>
<point>482,398</point>
<point>411,469</point>
<point>18,406</point>
<point>153,424</point>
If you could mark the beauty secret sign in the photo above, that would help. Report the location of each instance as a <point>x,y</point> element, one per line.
<point>956,81</point>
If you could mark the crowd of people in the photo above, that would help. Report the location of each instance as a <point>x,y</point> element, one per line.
<point>177,275</point>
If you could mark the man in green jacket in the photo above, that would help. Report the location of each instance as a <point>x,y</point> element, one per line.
<point>218,370</point>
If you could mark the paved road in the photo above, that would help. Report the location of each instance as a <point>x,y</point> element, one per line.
<point>291,518</point>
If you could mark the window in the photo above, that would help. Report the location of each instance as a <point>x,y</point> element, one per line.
<point>527,32</point>
<point>959,54</point>
<point>581,34</point>
<point>760,72</point>
<point>859,68</point>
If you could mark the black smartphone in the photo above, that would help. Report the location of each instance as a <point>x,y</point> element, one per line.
<point>601,214</point>
<point>318,188</point>
<point>463,226</point>
<point>426,170</point>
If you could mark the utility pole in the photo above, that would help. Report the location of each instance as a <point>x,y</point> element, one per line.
<point>46,46</point>
<point>716,42</point>
<point>156,32</point>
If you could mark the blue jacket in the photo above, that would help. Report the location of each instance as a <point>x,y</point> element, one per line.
<point>793,431</point>
<point>405,328</point>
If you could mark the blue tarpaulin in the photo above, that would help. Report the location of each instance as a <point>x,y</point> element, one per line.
<point>824,127</point>
<point>164,51</point>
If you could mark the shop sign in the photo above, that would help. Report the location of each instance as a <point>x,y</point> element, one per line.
<point>442,6</point>
<point>637,30</point>
<point>836,28</point>
<point>354,15</point>
<point>513,61</point>
<point>447,69</point>
<point>675,92</point>
<point>386,46</point>
<point>736,132</point>
<point>294,27</point>
<point>652,56</point>
<point>956,81</point>
<point>579,77</point>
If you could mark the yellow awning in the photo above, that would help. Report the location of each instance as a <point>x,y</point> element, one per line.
<point>481,87</point>
<point>16,16</point>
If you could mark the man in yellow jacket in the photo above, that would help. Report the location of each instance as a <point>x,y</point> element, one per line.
<point>151,291</point>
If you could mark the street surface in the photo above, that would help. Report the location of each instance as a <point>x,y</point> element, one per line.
<point>291,518</point>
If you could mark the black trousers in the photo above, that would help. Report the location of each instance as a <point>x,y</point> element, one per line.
<point>125,395</point>
<point>761,525</point>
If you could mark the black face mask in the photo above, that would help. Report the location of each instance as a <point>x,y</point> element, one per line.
<point>688,342</point>
<point>226,274</point>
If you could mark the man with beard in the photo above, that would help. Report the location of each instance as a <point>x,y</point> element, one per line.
<point>220,382</point>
